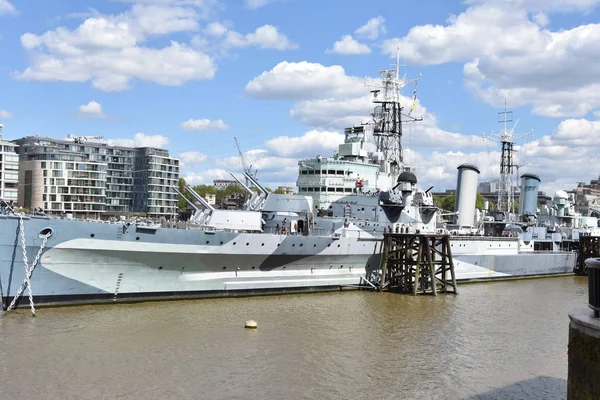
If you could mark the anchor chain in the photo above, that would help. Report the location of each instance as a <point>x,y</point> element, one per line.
<point>28,269</point>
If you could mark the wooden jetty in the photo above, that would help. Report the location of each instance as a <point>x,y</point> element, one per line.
<point>418,264</point>
<point>589,247</point>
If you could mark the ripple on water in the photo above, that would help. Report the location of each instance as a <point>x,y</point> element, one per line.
<point>500,340</point>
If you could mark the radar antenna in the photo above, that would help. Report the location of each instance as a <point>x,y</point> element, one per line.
<point>388,115</point>
<point>84,139</point>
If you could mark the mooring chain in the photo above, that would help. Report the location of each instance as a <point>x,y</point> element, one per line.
<point>28,269</point>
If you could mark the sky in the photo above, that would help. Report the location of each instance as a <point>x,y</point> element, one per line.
<point>287,76</point>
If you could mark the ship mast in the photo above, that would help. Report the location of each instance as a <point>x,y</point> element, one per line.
<point>507,163</point>
<point>388,116</point>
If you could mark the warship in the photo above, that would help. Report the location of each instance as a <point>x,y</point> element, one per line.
<point>327,236</point>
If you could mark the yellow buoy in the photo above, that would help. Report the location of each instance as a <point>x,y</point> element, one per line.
<point>251,324</point>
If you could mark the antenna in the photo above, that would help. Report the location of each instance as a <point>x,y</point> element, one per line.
<point>387,118</point>
<point>507,165</point>
<point>83,139</point>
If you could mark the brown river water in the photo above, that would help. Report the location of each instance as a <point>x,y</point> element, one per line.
<point>501,340</point>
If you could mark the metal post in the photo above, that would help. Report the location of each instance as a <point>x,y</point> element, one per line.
<point>593,265</point>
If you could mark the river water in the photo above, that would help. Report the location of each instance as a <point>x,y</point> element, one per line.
<point>501,340</point>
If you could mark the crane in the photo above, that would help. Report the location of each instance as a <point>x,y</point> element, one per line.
<point>247,169</point>
<point>83,139</point>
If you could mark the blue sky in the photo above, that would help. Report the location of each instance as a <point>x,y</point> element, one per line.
<point>285,77</point>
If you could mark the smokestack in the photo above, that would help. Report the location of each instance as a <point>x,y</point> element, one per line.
<point>466,195</point>
<point>530,185</point>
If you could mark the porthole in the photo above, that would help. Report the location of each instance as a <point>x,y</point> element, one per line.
<point>248,244</point>
<point>92,235</point>
<point>262,244</point>
<point>137,238</point>
<point>221,243</point>
<point>207,242</point>
<point>224,267</point>
<point>234,243</point>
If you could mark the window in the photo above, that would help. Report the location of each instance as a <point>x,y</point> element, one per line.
<point>11,167</point>
<point>11,158</point>
<point>44,164</point>
<point>11,176</point>
<point>12,195</point>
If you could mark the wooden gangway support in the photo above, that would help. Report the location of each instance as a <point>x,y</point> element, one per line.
<point>417,264</point>
<point>589,247</point>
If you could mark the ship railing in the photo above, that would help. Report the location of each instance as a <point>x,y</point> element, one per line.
<point>490,238</point>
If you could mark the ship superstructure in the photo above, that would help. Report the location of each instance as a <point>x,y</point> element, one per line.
<point>371,157</point>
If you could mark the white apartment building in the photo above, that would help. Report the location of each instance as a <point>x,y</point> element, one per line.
<point>9,170</point>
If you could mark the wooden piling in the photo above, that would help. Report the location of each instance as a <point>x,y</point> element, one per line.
<point>417,264</point>
<point>589,247</point>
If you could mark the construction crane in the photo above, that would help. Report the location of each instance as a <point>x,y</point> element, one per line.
<point>83,139</point>
<point>247,169</point>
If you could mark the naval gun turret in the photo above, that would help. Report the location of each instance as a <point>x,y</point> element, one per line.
<point>401,194</point>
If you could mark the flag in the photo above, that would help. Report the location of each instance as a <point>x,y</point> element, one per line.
<point>414,106</point>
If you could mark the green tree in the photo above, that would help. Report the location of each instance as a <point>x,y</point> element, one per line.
<point>479,201</point>
<point>447,203</point>
<point>181,203</point>
<point>279,191</point>
<point>203,190</point>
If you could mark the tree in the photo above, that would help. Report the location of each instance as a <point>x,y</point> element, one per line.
<point>479,201</point>
<point>181,203</point>
<point>447,203</point>
<point>279,191</point>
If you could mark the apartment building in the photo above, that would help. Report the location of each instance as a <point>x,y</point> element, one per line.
<point>9,170</point>
<point>155,173</point>
<point>92,179</point>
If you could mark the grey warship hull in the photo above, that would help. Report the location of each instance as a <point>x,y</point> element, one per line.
<point>85,261</point>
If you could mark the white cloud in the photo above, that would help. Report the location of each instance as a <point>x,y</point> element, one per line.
<point>203,125</point>
<point>121,142</point>
<point>259,3</point>
<point>260,160</point>
<point>5,114</point>
<point>541,19</point>
<point>7,8</point>
<point>141,140</point>
<point>264,37</point>
<point>304,80</point>
<point>190,158</point>
<point>206,177</point>
<point>372,29</point>
<point>216,29</point>
<point>222,38</point>
<point>509,56</point>
<point>92,109</point>
<point>107,50</point>
<point>308,145</point>
<point>333,113</point>
<point>347,45</point>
